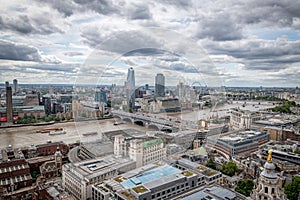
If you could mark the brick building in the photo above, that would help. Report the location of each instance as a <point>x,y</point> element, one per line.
<point>14,170</point>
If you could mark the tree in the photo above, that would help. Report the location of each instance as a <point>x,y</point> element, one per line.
<point>292,189</point>
<point>245,187</point>
<point>297,151</point>
<point>229,168</point>
<point>211,164</point>
<point>47,119</point>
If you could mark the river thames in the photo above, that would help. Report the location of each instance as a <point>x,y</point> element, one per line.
<point>27,135</point>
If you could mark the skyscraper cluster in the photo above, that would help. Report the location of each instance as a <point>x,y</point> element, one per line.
<point>14,87</point>
<point>130,87</point>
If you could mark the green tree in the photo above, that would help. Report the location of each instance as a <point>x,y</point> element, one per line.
<point>229,168</point>
<point>297,151</point>
<point>47,119</point>
<point>245,187</point>
<point>292,189</point>
<point>211,164</point>
<point>34,175</point>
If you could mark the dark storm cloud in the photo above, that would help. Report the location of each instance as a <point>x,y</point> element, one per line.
<point>66,7</point>
<point>25,24</point>
<point>12,51</point>
<point>70,7</point>
<point>139,11</point>
<point>119,42</point>
<point>104,7</point>
<point>259,54</point>
<point>269,12</point>
<point>219,27</point>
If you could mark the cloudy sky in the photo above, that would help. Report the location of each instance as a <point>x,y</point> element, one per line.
<point>246,43</point>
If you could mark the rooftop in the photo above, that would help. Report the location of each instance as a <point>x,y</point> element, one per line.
<point>215,192</point>
<point>241,136</point>
<point>95,167</point>
<point>152,142</point>
<point>151,175</point>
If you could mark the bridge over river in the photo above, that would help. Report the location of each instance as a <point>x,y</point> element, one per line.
<point>155,122</point>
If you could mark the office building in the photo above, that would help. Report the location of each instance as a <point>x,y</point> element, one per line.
<point>168,105</point>
<point>160,180</point>
<point>78,178</point>
<point>159,85</point>
<point>130,89</point>
<point>239,143</point>
<point>96,149</point>
<point>242,119</point>
<point>6,84</point>
<point>100,96</point>
<point>31,100</point>
<point>268,184</point>
<point>9,106</point>
<point>15,82</point>
<point>283,155</point>
<point>143,151</point>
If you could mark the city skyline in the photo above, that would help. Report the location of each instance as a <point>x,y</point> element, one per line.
<point>52,42</point>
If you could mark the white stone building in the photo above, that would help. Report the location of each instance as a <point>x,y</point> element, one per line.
<point>140,150</point>
<point>268,183</point>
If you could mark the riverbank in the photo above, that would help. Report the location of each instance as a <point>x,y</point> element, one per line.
<point>27,135</point>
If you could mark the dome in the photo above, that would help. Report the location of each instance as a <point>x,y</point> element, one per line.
<point>269,166</point>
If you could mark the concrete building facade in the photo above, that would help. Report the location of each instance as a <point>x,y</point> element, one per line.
<point>239,143</point>
<point>140,150</point>
<point>77,178</point>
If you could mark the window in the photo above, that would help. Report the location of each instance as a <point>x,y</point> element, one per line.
<point>266,189</point>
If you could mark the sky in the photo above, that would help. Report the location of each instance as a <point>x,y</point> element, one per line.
<point>230,43</point>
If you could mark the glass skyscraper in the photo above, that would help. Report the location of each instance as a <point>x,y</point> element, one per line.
<point>160,85</point>
<point>130,88</point>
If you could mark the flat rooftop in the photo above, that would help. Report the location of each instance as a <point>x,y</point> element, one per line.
<point>99,147</point>
<point>151,175</point>
<point>96,167</point>
<point>215,192</point>
<point>241,136</point>
<point>125,133</point>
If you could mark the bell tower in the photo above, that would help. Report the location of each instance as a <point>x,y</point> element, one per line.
<point>58,159</point>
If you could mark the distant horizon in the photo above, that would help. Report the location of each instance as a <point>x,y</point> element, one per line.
<point>100,85</point>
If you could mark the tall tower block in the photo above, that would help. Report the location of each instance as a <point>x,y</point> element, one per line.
<point>9,107</point>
